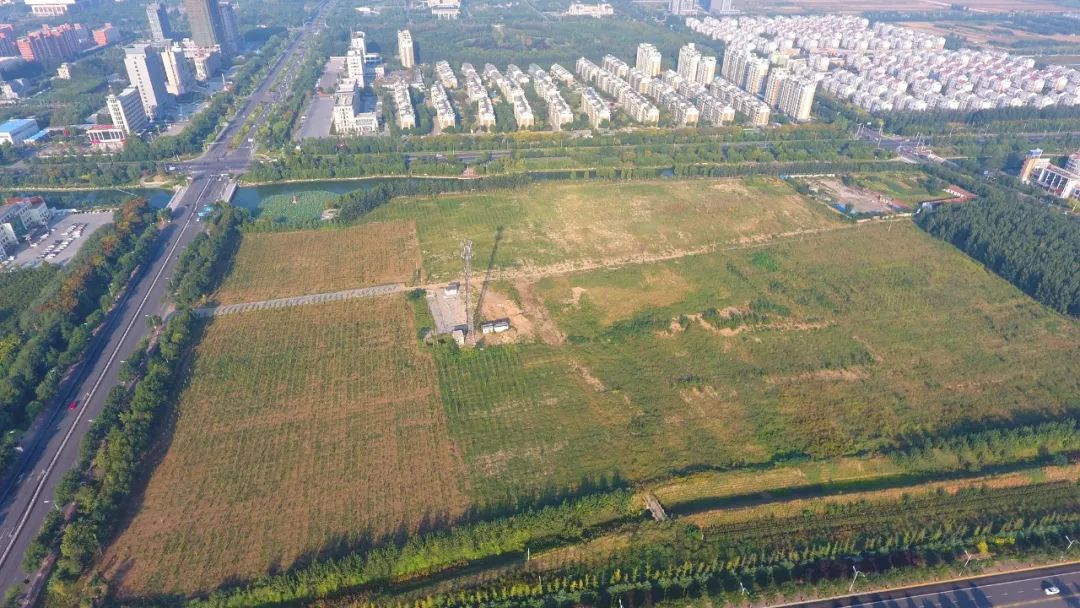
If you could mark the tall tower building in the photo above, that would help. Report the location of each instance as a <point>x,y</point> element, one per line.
<point>179,74</point>
<point>772,86</point>
<point>355,57</point>
<point>127,112</point>
<point>405,49</point>
<point>230,32</point>
<point>689,59</point>
<point>648,59</point>
<point>160,31</point>
<point>205,19</point>
<point>147,74</point>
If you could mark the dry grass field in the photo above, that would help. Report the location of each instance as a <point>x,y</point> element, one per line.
<point>561,226</point>
<point>302,430</point>
<point>283,264</point>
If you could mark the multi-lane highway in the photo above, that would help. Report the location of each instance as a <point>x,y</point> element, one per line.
<point>51,446</point>
<point>1026,588</point>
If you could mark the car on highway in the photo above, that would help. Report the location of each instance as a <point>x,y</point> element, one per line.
<point>1051,590</point>
<point>73,405</point>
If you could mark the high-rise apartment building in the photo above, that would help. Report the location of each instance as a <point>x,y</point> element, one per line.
<point>147,74</point>
<point>797,98</point>
<point>179,73</point>
<point>757,70</point>
<point>689,58</point>
<point>772,86</point>
<point>706,70</point>
<point>160,30</point>
<point>405,49</point>
<point>51,44</point>
<point>648,59</point>
<point>126,110</point>
<point>205,19</point>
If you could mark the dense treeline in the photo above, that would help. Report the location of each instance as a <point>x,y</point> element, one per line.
<point>1030,246</point>
<point>622,157</point>
<point>56,327</point>
<point>353,205</point>
<point>206,260</point>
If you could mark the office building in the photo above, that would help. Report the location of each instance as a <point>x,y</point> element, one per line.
<point>147,74</point>
<point>230,31</point>
<point>179,73</point>
<point>406,50</point>
<point>356,58</point>
<point>126,110</point>
<point>158,16</point>
<point>205,19</point>
<point>348,116</point>
<point>648,59</point>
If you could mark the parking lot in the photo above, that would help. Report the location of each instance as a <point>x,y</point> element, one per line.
<point>66,235</point>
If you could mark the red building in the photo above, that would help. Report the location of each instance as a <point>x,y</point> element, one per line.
<point>54,43</point>
<point>105,35</point>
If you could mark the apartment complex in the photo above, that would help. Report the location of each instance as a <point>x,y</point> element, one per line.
<point>54,44</point>
<point>559,112</point>
<point>445,117</point>
<point>594,107</point>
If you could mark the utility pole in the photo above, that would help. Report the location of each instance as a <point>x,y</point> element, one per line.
<point>854,578</point>
<point>466,254</point>
<point>1071,543</point>
<point>966,561</point>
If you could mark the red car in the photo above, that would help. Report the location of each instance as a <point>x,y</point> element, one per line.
<point>73,405</point>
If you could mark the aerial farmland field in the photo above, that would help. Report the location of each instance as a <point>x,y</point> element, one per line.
<point>713,327</point>
<point>281,264</point>
<point>303,429</point>
<point>562,226</point>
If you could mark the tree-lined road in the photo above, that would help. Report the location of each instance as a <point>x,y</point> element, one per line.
<point>52,444</point>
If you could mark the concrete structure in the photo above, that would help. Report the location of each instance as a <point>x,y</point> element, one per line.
<point>53,8</point>
<point>405,48</point>
<point>147,73</point>
<point>158,16</point>
<point>106,138</point>
<point>126,110</point>
<point>1062,182</point>
<point>682,7</point>
<point>63,71</point>
<point>648,59</point>
<point>205,19</point>
<point>580,9</point>
<point>16,130</point>
<point>179,73</point>
<point>445,9</point>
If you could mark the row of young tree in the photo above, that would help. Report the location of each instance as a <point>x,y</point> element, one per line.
<point>57,326</point>
<point>1031,246</point>
<point>112,455</point>
<point>820,544</point>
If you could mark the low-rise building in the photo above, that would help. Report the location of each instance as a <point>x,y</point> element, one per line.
<point>598,10</point>
<point>16,130</point>
<point>106,138</point>
<point>445,117</point>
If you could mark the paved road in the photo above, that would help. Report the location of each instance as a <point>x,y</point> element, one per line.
<point>1025,588</point>
<point>52,443</point>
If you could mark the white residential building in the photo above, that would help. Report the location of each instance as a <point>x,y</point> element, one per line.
<point>126,111</point>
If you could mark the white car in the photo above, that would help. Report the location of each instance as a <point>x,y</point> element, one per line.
<point>1051,590</point>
